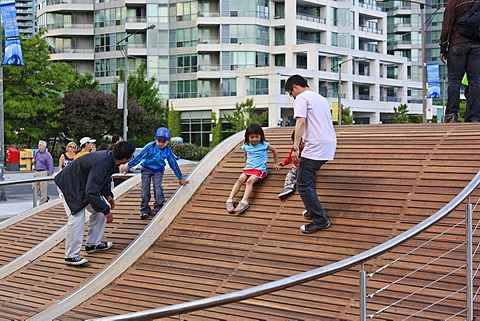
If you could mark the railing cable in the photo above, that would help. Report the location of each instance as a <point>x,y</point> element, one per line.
<point>434,303</point>
<point>417,291</point>
<point>414,249</point>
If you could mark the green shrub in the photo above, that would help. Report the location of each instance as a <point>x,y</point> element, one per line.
<point>189,151</point>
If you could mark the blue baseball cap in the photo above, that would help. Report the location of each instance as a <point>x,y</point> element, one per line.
<point>162,133</point>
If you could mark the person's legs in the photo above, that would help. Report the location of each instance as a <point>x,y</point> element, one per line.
<point>146,176</point>
<point>456,65</point>
<point>158,188</point>
<point>97,227</point>
<point>41,187</point>
<point>473,75</point>
<point>249,187</point>
<point>75,230</point>
<point>291,178</point>
<point>306,174</point>
<point>237,185</point>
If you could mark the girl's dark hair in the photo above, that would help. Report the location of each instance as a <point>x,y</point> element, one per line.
<point>254,129</point>
<point>293,136</point>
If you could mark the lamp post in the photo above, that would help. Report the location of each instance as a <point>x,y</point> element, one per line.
<point>424,60</point>
<point>3,196</point>
<point>125,93</point>
<point>339,89</point>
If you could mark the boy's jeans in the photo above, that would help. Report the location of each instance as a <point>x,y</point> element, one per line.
<point>147,177</point>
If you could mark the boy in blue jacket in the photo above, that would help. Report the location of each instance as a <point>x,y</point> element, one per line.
<point>152,158</point>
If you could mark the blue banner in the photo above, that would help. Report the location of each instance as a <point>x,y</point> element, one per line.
<point>13,50</point>
<point>433,72</point>
<point>433,80</point>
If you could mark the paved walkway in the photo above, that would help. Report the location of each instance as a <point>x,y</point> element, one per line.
<point>20,197</point>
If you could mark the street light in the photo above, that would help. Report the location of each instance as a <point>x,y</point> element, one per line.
<point>125,93</point>
<point>339,89</point>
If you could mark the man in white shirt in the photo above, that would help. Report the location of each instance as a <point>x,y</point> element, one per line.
<point>313,125</point>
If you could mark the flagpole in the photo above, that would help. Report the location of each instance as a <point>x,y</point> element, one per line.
<point>3,196</point>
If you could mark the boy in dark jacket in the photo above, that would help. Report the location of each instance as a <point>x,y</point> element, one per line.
<point>152,158</point>
<point>85,185</point>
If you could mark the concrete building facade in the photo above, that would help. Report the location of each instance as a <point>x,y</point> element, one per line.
<point>208,55</point>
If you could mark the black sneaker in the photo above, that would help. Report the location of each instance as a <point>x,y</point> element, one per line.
<point>78,260</point>
<point>144,216</point>
<point>313,227</point>
<point>451,118</point>
<point>285,192</point>
<point>306,215</point>
<point>100,247</point>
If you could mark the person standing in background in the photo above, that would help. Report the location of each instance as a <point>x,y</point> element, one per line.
<point>43,162</point>
<point>67,157</point>
<point>461,54</point>
<point>86,146</point>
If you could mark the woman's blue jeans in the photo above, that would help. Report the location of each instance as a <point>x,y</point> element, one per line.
<point>306,173</point>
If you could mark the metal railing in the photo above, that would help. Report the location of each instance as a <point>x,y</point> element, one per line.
<point>356,260</point>
<point>34,180</point>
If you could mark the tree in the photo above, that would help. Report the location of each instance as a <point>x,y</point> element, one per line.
<point>146,93</point>
<point>86,81</point>
<point>400,115</point>
<point>32,92</point>
<point>174,122</point>
<point>95,114</point>
<point>216,130</point>
<point>347,116</point>
<point>244,114</point>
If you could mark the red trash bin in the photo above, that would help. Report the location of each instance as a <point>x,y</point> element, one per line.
<point>13,159</point>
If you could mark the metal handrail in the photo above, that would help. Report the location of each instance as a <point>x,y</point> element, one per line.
<point>50,178</point>
<point>34,180</point>
<point>182,308</point>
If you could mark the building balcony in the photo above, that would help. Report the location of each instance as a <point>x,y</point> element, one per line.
<point>208,14</point>
<point>59,54</point>
<point>306,17</point>
<point>73,29</point>
<point>209,68</point>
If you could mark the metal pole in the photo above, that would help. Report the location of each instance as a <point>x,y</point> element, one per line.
<point>125,94</point>
<point>469,259</point>
<point>444,93</point>
<point>424,62</point>
<point>3,196</point>
<point>363,294</point>
<point>340,93</point>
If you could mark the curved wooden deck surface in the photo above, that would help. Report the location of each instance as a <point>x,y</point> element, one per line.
<point>384,180</point>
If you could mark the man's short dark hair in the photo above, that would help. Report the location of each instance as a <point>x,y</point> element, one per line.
<point>295,80</point>
<point>123,149</point>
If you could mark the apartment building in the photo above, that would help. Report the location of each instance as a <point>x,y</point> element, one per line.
<point>26,16</point>
<point>208,55</point>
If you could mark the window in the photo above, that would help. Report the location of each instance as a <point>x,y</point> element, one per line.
<point>258,86</point>
<point>229,87</point>
<point>196,127</point>
<point>184,89</point>
<point>244,59</point>
<point>187,37</point>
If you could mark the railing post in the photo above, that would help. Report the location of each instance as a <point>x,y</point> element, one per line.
<point>469,259</point>
<point>363,294</point>
<point>34,195</point>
